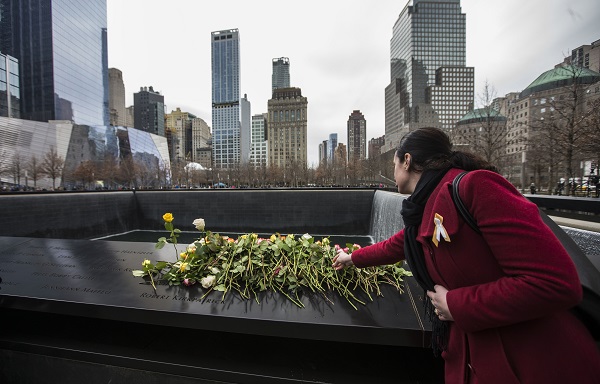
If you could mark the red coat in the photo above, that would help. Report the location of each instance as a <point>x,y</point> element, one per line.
<point>509,290</point>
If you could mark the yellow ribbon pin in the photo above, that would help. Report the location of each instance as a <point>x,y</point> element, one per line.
<point>439,231</point>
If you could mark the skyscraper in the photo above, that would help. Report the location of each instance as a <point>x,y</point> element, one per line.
<point>149,111</point>
<point>286,128</point>
<point>430,84</point>
<point>357,136</point>
<point>61,47</point>
<point>245,129</point>
<point>116,97</point>
<point>226,124</point>
<point>259,152</point>
<point>281,73</point>
<point>332,144</point>
<point>10,95</point>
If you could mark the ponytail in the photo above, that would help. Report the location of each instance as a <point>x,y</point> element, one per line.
<point>430,148</point>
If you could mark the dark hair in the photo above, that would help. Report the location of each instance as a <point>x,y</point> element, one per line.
<point>430,148</point>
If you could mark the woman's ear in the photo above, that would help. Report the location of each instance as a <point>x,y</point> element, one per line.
<point>407,160</point>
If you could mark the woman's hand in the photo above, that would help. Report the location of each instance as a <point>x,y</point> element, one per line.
<point>341,260</point>
<point>438,299</point>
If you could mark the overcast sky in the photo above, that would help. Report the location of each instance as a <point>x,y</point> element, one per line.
<point>339,50</point>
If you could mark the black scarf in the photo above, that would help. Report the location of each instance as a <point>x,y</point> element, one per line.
<point>412,214</point>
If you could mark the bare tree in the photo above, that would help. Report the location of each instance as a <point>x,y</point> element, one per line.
<point>53,165</point>
<point>487,134</point>
<point>35,170</point>
<point>86,174</point>
<point>108,171</point>
<point>563,122</point>
<point>16,168</point>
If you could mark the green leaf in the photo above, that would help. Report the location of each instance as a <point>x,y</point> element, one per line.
<point>177,230</point>
<point>240,268</point>
<point>220,288</point>
<point>160,265</point>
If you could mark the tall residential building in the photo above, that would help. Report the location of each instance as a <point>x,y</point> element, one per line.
<point>178,126</point>
<point>129,117</point>
<point>323,153</point>
<point>116,97</point>
<point>375,145</point>
<point>357,136</point>
<point>587,56</point>
<point>281,73</point>
<point>149,111</point>
<point>332,144</point>
<point>10,95</point>
<point>226,124</point>
<point>286,128</point>
<point>260,146</point>
<point>429,82</point>
<point>201,141</point>
<point>245,129</point>
<point>61,46</point>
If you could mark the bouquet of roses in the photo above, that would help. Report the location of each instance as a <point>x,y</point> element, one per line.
<point>250,264</point>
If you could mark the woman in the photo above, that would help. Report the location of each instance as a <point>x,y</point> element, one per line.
<point>499,300</point>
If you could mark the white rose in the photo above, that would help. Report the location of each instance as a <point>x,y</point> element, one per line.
<point>306,236</point>
<point>208,281</point>
<point>191,248</point>
<point>199,224</point>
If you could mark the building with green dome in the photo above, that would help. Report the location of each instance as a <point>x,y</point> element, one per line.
<point>548,126</point>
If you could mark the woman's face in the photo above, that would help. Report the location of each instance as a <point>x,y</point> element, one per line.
<point>401,174</point>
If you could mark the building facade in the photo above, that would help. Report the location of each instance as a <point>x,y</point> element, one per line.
<point>287,128</point>
<point>10,93</point>
<point>375,145</point>
<point>281,73</point>
<point>201,142</point>
<point>587,56</point>
<point>245,129</point>
<point>332,144</point>
<point>427,68</point>
<point>61,47</point>
<point>226,114</point>
<point>178,126</point>
<point>357,136</point>
<point>92,157</point>
<point>544,120</point>
<point>149,111</point>
<point>116,97</point>
<point>259,155</point>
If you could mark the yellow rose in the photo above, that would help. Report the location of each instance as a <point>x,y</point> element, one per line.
<point>145,263</point>
<point>183,267</point>
<point>168,217</point>
<point>183,255</point>
<point>273,238</point>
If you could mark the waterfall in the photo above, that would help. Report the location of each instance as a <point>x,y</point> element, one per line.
<point>385,215</point>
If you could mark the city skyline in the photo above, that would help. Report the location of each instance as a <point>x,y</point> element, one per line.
<point>508,50</point>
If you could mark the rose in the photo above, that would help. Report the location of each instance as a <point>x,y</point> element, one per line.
<point>188,282</point>
<point>199,224</point>
<point>168,217</point>
<point>184,267</point>
<point>208,281</point>
<point>145,263</point>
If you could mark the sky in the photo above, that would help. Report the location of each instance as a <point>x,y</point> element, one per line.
<point>339,50</point>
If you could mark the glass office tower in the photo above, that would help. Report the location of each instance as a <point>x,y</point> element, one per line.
<point>225,50</point>
<point>62,52</point>
<point>281,73</point>
<point>10,94</point>
<point>428,36</point>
